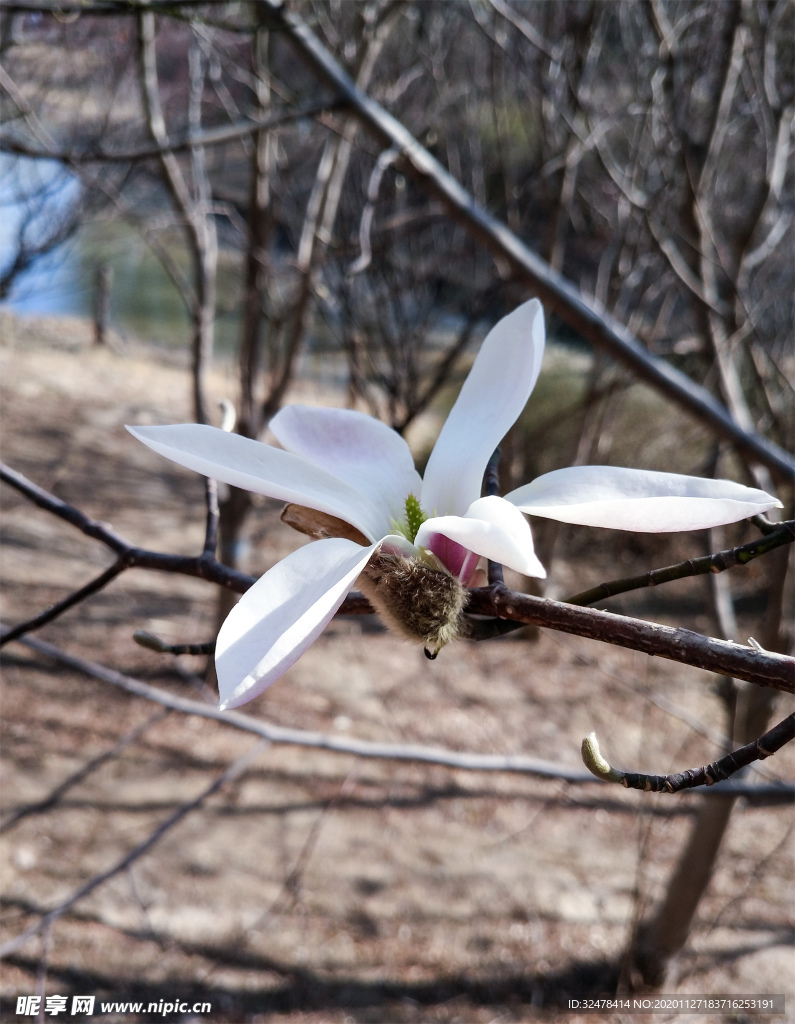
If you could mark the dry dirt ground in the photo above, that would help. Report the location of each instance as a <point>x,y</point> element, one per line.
<point>319,886</point>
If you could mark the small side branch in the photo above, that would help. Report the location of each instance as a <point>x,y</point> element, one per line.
<point>68,602</point>
<point>783,533</point>
<point>48,502</point>
<point>385,160</point>
<point>204,566</point>
<point>154,643</point>
<point>220,136</point>
<point>707,775</point>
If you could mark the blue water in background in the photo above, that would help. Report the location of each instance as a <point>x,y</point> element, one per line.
<point>144,301</point>
<point>51,284</point>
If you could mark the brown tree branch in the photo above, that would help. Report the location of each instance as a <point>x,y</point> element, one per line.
<point>784,533</point>
<point>671,642</point>
<point>682,645</point>
<point>59,607</point>
<point>707,775</point>
<point>202,566</point>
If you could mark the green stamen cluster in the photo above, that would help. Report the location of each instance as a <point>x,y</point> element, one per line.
<point>415,517</point>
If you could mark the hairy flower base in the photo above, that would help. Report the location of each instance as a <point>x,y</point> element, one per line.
<point>420,603</point>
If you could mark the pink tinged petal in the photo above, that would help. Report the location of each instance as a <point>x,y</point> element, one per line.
<point>492,528</point>
<point>453,556</point>
<point>467,571</point>
<point>282,615</point>
<point>494,394</point>
<point>258,467</point>
<point>358,449</point>
<point>637,499</point>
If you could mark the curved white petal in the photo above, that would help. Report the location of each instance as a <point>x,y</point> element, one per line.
<point>637,499</point>
<point>282,615</point>
<point>258,467</point>
<point>494,394</point>
<point>396,544</point>
<point>492,528</point>
<point>365,453</point>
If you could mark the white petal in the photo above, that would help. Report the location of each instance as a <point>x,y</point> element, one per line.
<point>396,544</point>
<point>492,528</point>
<point>282,615</point>
<point>362,451</point>
<point>494,394</point>
<point>638,499</point>
<point>258,467</point>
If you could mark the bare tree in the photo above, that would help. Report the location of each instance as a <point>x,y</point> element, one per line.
<point>419,168</point>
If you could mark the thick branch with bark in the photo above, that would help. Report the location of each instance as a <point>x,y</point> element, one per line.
<point>497,601</point>
<point>671,642</point>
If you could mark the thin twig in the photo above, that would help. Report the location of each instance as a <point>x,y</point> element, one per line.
<point>90,527</point>
<point>213,516</point>
<point>385,160</point>
<point>784,533</point>
<point>68,602</point>
<point>707,775</point>
<point>763,524</point>
<point>209,137</point>
<point>201,566</point>
<point>232,772</point>
<point>154,643</point>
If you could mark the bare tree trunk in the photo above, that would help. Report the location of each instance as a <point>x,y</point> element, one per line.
<point>103,280</point>
<point>659,940</point>
<point>234,503</point>
<point>205,245</point>
<point>194,209</point>
<point>256,409</point>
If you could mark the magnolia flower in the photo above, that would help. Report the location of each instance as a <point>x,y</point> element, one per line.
<point>414,543</point>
